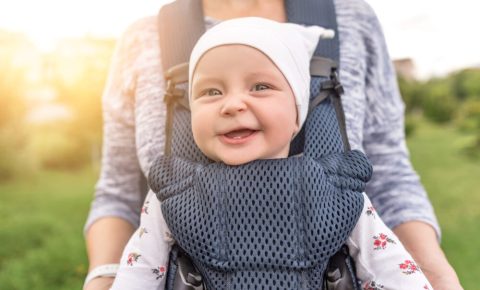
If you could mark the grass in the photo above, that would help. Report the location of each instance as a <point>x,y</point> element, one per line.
<point>42,217</point>
<point>452,179</point>
<point>41,231</point>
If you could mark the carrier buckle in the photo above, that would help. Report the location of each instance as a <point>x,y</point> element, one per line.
<point>333,83</point>
<point>174,76</point>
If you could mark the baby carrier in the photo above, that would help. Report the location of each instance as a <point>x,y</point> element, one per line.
<point>268,224</point>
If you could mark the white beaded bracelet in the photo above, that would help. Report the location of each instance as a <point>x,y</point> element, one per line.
<point>107,270</point>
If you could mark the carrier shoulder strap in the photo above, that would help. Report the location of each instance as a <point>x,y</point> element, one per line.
<point>316,12</point>
<point>180,25</point>
<point>323,13</point>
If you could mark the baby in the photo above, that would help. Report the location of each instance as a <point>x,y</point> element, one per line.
<point>249,86</point>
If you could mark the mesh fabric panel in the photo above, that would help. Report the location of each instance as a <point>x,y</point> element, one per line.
<point>267,217</point>
<point>269,223</point>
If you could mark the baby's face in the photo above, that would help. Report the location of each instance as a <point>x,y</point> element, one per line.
<point>242,106</point>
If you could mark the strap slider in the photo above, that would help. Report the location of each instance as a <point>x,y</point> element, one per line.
<point>172,94</point>
<point>335,82</point>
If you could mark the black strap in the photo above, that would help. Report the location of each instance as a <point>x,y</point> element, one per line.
<point>317,12</point>
<point>180,24</point>
<point>322,13</point>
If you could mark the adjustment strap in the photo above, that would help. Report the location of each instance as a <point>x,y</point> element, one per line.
<point>336,87</point>
<point>332,89</point>
<point>337,104</point>
<point>180,24</point>
<point>173,96</point>
<point>318,99</point>
<point>321,66</point>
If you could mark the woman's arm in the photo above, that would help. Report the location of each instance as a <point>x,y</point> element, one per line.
<point>105,240</point>
<point>395,188</point>
<point>420,240</point>
<point>115,210</point>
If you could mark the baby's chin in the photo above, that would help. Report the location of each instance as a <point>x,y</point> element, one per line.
<point>240,160</point>
<point>232,161</point>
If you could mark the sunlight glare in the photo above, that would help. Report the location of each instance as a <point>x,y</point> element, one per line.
<point>48,21</point>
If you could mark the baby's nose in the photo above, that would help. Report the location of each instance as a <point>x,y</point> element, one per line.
<point>233,105</point>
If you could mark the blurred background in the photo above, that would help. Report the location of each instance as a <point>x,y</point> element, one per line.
<point>54,60</point>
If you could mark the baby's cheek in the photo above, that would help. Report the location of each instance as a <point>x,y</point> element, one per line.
<point>203,137</point>
<point>199,136</point>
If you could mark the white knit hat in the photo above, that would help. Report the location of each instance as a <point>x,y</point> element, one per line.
<point>290,47</point>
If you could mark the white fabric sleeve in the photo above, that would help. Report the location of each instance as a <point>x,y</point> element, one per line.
<point>381,260</point>
<point>145,259</point>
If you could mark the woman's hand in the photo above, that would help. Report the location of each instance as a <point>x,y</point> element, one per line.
<point>420,240</point>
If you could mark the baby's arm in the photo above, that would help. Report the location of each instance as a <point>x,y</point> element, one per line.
<point>381,260</point>
<point>145,258</point>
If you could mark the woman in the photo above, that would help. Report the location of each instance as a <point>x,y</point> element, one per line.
<point>134,116</point>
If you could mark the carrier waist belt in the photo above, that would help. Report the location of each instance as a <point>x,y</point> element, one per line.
<point>263,223</point>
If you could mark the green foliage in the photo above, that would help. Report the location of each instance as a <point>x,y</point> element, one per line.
<point>15,158</point>
<point>410,125</point>
<point>76,72</point>
<point>469,122</point>
<point>469,116</point>
<point>466,84</point>
<point>13,155</point>
<point>80,80</point>
<point>58,146</point>
<point>453,99</point>
<point>439,103</point>
<point>412,92</point>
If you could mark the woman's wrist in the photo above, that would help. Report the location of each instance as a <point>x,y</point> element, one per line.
<point>99,283</point>
<point>444,278</point>
<point>105,239</point>
<point>102,271</point>
<point>421,242</point>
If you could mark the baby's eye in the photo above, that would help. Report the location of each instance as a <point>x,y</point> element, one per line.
<point>260,87</point>
<point>213,92</point>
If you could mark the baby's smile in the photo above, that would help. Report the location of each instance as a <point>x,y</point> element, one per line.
<point>238,136</point>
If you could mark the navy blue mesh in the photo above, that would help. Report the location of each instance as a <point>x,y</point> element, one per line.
<point>323,135</point>
<point>182,137</point>
<point>247,226</point>
<point>269,223</point>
